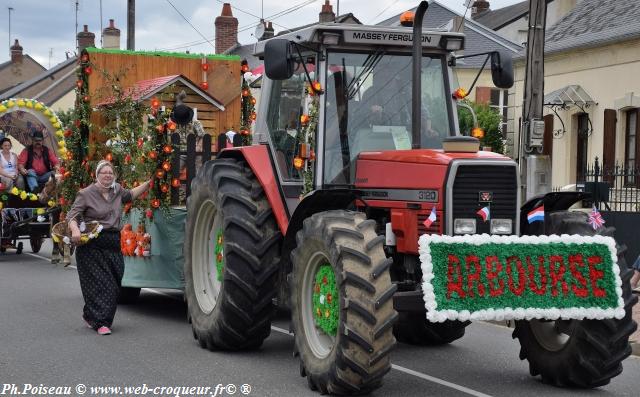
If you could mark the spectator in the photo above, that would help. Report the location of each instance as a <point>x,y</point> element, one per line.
<point>9,167</point>
<point>635,279</point>
<point>37,162</point>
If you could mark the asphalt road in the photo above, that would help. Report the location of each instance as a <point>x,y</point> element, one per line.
<point>43,341</point>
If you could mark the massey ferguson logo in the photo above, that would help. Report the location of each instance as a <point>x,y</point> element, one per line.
<point>485,197</point>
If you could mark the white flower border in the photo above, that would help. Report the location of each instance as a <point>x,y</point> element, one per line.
<point>578,313</point>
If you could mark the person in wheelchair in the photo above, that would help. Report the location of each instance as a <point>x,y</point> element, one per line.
<point>37,163</point>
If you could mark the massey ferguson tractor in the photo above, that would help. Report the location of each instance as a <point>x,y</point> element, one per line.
<point>357,153</point>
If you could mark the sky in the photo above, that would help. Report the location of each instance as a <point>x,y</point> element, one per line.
<point>46,28</point>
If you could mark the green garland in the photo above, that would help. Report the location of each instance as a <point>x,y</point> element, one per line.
<point>326,305</point>
<point>219,252</point>
<point>247,108</point>
<point>94,50</point>
<point>307,135</point>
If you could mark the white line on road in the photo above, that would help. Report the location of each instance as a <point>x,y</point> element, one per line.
<point>416,374</point>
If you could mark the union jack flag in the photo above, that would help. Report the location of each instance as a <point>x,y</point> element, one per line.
<point>595,219</point>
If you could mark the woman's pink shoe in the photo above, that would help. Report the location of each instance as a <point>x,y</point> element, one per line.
<point>104,330</point>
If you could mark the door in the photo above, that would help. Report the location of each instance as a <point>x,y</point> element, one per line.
<point>583,140</point>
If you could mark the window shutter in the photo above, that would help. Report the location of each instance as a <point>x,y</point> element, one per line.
<point>483,95</point>
<point>609,142</point>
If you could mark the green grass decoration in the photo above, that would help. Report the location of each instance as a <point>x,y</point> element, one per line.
<point>326,308</point>
<point>219,252</point>
<point>219,57</point>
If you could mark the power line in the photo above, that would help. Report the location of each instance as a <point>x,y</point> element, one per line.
<point>190,24</point>
<point>382,12</point>
<point>246,27</point>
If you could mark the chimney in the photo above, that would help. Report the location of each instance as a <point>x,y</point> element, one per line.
<point>86,39</point>
<point>478,7</point>
<point>16,52</point>
<point>327,14</point>
<point>458,24</point>
<point>111,36</point>
<point>226,29</point>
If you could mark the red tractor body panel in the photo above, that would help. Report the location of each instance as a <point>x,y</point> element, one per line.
<point>260,162</point>
<point>410,170</point>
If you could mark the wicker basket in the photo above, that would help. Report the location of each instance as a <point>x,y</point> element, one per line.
<point>61,230</point>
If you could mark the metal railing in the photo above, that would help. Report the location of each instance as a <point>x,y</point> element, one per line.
<point>615,188</point>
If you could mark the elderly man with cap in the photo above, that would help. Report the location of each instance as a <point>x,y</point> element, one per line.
<point>37,163</point>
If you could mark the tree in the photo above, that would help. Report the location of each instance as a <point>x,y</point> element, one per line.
<point>489,120</point>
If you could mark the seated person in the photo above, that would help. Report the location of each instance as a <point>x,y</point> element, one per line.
<point>9,167</point>
<point>37,163</point>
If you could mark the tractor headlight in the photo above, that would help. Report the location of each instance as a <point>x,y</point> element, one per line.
<point>464,226</point>
<point>501,226</point>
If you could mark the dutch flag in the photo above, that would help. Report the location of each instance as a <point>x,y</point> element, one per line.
<point>432,218</point>
<point>536,215</point>
<point>484,213</point>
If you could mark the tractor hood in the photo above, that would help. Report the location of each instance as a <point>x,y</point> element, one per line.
<point>411,169</point>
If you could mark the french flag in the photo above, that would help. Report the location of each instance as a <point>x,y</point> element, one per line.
<point>536,215</point>
<point>484,213</point>
<point>432,218</point>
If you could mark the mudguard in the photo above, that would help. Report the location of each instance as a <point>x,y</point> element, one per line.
<point>554,201</point>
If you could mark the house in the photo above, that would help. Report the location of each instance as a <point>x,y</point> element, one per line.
<point>56,87</point>
<point>512,21</point>
<point>479,39</point>
<point>19,68</point>
<point>592,93</point>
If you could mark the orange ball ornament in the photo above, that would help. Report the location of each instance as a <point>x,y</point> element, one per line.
<point>160,128</point>
<point>164,188</point>
<point>155,203</point>
<point>159,173</point>
<point>108,157</point>
<point>166,166</point>
<point>175,182</point>
<point>153,155</point>
<point>253,116</point>
<point>68,133</point>
<point>171,125</point>
<point>245,92</point>
<point>304,119</point>
<point>155,103</point>
<point>149,214</point>
<point>167,149</point>
<point>205,67</point>
<point>88,70</point>
<point>253,100</point>
<point>204,85</point>
<point>298,163</point>
<point>79,83</point>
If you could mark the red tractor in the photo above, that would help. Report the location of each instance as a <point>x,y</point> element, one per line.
<point>357,152</point>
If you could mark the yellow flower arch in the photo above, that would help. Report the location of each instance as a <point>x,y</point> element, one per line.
<point>45,116</point>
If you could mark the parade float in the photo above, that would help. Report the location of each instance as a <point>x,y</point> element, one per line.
<point>26,214</point>
<point>153,115</point>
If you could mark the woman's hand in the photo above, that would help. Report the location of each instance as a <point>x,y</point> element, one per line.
<point>75,232</point>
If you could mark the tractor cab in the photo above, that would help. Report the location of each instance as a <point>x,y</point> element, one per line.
<point>365,74</point>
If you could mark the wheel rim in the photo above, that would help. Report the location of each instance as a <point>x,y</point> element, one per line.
<point>552,335</point>
<point>320,305</point>
<point>207,256</point>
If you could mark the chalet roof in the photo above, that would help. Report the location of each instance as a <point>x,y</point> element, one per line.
<point>62,75</point>
<point>145,89</point>
<point>497,19</point>
<point>479,38</point>
<point>594,23</point>
<point>4,65</point>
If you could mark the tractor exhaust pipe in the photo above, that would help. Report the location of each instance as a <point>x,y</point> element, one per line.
<point>416,94</point>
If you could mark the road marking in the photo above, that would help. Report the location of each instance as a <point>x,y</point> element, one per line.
<point>417,374</point>
<point>37,256</point>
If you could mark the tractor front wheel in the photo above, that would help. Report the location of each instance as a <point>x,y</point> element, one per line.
<point>572,353</point>
<point>232,246</point>
<point>342,311</point>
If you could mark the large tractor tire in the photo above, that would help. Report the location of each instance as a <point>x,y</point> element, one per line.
<point>232,246</point>
<point>572,353</point>
<point>414,329</point>
<point>341,306</point>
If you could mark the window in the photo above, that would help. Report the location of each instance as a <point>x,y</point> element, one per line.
<point>500,102</point>
<point>631,145</point>
<point>286,105</point>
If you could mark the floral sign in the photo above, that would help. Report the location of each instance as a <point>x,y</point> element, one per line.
<point>530,277</point>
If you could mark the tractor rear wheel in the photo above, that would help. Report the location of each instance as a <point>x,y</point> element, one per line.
<point>232,246</point>
<point>573,353</point>
<point>414,329</point>
<point>341,309</point>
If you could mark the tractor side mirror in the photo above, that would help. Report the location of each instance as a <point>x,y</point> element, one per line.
<point>278,62</point>
<point>502,69</point>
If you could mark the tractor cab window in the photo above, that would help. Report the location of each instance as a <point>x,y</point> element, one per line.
<point>286,104</point>
<point>368,108</point>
